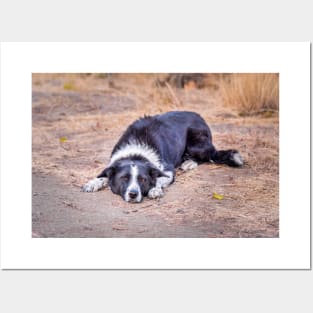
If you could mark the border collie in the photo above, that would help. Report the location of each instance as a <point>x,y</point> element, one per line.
<point>143,161</point>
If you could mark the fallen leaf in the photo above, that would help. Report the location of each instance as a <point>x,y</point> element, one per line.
<point>63,139</point>
<point>217,196</point>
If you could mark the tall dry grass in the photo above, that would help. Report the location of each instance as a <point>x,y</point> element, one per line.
<point>251,93</point>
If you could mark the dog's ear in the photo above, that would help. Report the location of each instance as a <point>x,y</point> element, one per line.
<point>155,172</point>
<point>108,172</point>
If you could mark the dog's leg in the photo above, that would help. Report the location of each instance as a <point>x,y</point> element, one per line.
<point>188,165</point>
<point>229,157</point>
<point>161,182</point>
<point>200,147</point>
<point>95,184</point>
<point>208,153</point>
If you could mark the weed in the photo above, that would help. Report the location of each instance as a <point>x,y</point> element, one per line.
<point>250,94</point>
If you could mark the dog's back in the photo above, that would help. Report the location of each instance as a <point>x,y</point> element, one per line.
<point>166,133</point>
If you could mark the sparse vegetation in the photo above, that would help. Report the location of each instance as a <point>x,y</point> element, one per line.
<point>249,94</point>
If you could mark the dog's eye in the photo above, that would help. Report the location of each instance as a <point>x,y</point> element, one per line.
<point>125,178</point>
<point>141,179</point>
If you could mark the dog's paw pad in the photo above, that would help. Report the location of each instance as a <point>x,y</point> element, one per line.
<point>237,159</point>
<point>155,193</point>
<point>95,185</point>
<point>189,165</point>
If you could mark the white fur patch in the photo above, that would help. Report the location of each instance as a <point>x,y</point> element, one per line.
<point>155,192</point>
<point>162,182</point>
<point>188,165</point>
<point>135,148</point>
<point>238,159</point>
<point>95,184</point>
<point>133,185</point>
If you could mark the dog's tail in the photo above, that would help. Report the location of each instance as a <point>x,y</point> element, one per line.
<point>229,157</point>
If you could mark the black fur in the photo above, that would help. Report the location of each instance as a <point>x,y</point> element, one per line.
<point>177,136</point>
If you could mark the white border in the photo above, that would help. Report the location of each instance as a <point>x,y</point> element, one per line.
<point>291,250</point>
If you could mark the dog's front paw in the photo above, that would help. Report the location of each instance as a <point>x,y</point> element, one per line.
<point>155,192</point>
<point>95,184</point>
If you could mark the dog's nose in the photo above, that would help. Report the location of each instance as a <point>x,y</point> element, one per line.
<point>133,194</point>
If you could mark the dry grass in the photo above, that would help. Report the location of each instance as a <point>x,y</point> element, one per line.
<point>251,93</point>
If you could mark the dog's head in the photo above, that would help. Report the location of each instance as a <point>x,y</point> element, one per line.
<point>131,179</point>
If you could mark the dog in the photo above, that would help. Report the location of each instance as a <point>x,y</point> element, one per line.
<point>144,160</point>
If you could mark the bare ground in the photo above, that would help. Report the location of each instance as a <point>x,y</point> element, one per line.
<point>77,120</point>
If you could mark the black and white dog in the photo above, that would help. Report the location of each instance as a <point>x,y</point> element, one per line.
<point>143,161</point>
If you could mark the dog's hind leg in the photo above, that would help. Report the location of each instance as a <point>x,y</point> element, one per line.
<point>199,147</point>
<point>229,157</point>
<point>208,153</point>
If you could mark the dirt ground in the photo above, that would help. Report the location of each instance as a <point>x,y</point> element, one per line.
<point>76,120</point>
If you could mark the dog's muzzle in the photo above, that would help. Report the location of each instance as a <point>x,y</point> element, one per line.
<point>133,195</point>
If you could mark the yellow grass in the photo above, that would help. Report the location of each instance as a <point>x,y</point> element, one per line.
<point>251,93</point>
